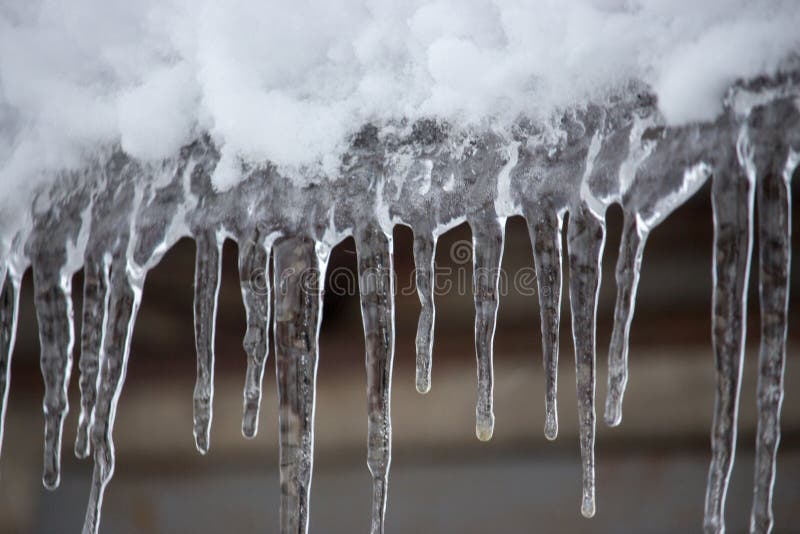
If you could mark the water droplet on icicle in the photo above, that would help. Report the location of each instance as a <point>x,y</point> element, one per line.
<point>125,296</point>
<point>732,202</point>
<point>299,275</point>
<point>488,232</point>
<point>544,226</point>
<point>254,279</point>
<point>206,290</point>
<point>424,253</point>
<point>376,276</point>
<point>9,311</point>
<point>95,311</point>
<point>586,238</point>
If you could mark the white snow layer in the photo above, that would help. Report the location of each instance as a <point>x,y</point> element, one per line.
<point>290,81</point>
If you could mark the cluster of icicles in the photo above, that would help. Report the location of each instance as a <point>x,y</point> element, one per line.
<point>118,217</point>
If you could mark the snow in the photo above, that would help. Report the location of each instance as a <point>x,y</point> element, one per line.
<point>289,82</point>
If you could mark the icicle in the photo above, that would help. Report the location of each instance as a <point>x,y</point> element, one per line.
<point>53,300</point>
<point>377,310</point>
<point>254,279</point>
<point>9,310</point>
<point>206,290</point>
<point>774,237</point>
<point>298,286</point>
<point>732,203</point>
<point>125,296</point>
<point>629,264</point>
<point>425,268</point>
<point>774,174</point>
<point>544,226</point>
<point>487,243</point>
<point>95,309</point>
<point>586,238</point>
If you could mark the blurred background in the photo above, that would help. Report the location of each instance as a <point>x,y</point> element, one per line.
<point>651,471</point>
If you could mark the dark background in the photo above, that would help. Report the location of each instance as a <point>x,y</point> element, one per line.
<point>651,471</point>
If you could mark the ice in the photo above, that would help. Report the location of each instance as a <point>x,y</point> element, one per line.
<point>119,215</point>
<point>9,308</point>
<point>545,225</point>
<point>586,238</point>
<point>299,269</point>
<point>206,289</point>
<point>376,285</point>
<point>124,303</point>
<point>254,278</point>
<point>488,234</point>
<point>773,175</point>
<point>424,268</point>
<point>732,194</point>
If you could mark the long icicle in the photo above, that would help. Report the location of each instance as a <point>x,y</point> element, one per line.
<point>53,301</point>
<point>732,195</point>
<point>376,285</point>
<point>255,284</point>
<point>774,237</point>
<point>586,239</point>
<point>544,226</point>
<point>299,278</point>
<point>125,296</point>
<point>425,269</point>
<point>488,232</point>
<point>95,310</point>
<point>206,289</point>
<point>9,311</point>
<point>629,265</point>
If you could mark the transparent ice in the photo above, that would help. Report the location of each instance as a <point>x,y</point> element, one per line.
<point>117,217</point>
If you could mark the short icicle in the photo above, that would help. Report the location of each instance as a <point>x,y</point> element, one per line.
<point>53,301</point>
<point>124,299</point>
<point>206,289</point>
<point>376,286</point>
<point>255,284</point>
<point>586,239</point>
<point>732,195</point>
<point>95,309</point>
<point>425,269</point>
<point>629,264</point>
<point>9,311</point>
<point>774,237</point>
<point>545,225</point>
<point>299,277</point>
<point>488,232</point>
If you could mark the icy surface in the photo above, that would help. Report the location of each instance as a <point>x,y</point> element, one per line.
<point>116,217</point>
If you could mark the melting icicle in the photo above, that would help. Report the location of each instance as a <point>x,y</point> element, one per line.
<point>9,310</point>
<point>487,243</point>
<point>206,290</point>
<point>54,312</point>
<point>732,203</point>
<point>125,296</point>
<point>629,265</point>
<point>544,226</point>
<point>586,238</point>
<point>299,275</point>
<point>375,270</point>
<point>254,279</point>
<point>95,310</point>
<point>774,175</point>
<point>424,253</point>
